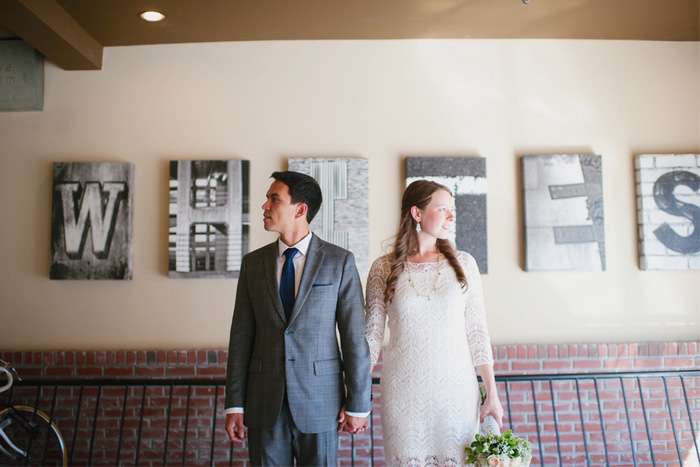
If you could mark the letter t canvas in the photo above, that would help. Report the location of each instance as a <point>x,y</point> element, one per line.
<point>92,220</point>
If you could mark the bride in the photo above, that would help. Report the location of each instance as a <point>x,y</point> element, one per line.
<point>432,297</point>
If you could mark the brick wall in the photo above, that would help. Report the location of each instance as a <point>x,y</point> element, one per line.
<point>193,408</point>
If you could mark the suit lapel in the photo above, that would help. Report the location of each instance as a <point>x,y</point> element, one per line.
<point>270,266</point>
<point>314,259</point>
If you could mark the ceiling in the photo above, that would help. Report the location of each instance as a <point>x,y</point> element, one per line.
<point>73,33</point>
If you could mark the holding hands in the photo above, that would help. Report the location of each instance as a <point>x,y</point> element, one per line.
<point>350,424</point>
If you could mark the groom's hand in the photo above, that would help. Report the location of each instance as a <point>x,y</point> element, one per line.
<point>235,427</point>
<point>353,425</point>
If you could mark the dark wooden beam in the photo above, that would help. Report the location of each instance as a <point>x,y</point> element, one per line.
<point>46,26</point>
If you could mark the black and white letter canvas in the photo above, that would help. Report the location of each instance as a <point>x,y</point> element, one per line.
<point>466,178</point>
<point>209,218</point>
<point>668,207</point>
<point>564,228</point>
<point>92,220</point>
<point>344,216</point>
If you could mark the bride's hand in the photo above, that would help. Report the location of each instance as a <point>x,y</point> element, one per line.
<point>492,406</point>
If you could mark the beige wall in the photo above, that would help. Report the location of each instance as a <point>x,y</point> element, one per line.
<point>383,100</point>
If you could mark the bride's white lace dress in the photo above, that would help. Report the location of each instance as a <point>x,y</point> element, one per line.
<point>430,400</point>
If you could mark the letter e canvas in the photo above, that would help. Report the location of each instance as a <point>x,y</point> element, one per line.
<point>564,225</point>
<point>92,220</point>
<point>668,211</point>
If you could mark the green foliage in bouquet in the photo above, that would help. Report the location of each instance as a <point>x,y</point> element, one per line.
<point>506,450</point>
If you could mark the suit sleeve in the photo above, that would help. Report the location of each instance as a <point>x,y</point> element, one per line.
<point>351,326</point>
<point>240,344</point>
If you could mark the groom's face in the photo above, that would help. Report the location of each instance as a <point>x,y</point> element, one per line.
<point>279,213</point>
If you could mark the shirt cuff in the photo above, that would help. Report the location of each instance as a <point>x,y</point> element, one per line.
<point>233,410</point>
<point>357,414</point>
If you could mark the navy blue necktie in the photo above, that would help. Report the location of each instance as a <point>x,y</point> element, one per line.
<point>287,282</point>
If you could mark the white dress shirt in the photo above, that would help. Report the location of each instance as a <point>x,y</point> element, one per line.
<point>299,262</point>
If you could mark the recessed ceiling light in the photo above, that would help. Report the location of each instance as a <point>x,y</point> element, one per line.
<point>152,16</point>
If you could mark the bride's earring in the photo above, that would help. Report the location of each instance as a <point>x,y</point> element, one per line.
<point>418,229</point>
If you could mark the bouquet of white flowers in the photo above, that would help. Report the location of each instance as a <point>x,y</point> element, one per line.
<point>506,450</point>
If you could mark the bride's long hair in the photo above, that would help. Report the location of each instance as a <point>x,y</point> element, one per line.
<point>419,194</point>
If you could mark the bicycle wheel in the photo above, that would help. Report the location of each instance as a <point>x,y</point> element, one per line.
<point>43,443</point>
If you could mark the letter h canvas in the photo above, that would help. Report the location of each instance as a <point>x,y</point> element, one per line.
<point>209,222</point>
<point>668,209</point>
<point>92,220</point>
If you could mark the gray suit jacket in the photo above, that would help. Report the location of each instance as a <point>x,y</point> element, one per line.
<point>267,355</point>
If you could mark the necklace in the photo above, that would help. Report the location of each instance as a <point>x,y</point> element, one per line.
<point>410,279</point>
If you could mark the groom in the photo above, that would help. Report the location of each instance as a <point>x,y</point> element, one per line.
<point>287,379</point>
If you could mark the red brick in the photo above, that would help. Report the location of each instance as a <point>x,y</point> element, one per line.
<point>602,351</point>
<point>532,352</point>
<point>573,350</point>
<point>33,372</point>
<point>201,402</point>
<point>57,371</point>
<point>582,351</point>
<point>633,350</point>
<point>150,371</point>
<point>130,356</point>
<point>526,366</point>
<point>649,363</point>
<point>211,371</point>
<point>88,371</point>
<point>512,352</point>
<point>522,352</point>
<point>37,358</point>
<point>205,391</point>
<point>180,371</point>
<point>618,364</point>
<point>181,391</point>
<point>115,371</point>
<point>679,363</point>
<point>49,358</point>
<point>587,364</point>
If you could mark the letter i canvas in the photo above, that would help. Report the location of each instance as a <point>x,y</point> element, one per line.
<point>92,220</point>
<point>668,209</point>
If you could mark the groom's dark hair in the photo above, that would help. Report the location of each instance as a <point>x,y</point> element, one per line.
<point>302,189</point>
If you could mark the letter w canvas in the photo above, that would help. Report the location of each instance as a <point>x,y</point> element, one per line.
<point>91,235</point>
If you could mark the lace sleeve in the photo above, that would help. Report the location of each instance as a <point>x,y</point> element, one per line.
<point>375,307</point>
<point>475,314</point>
